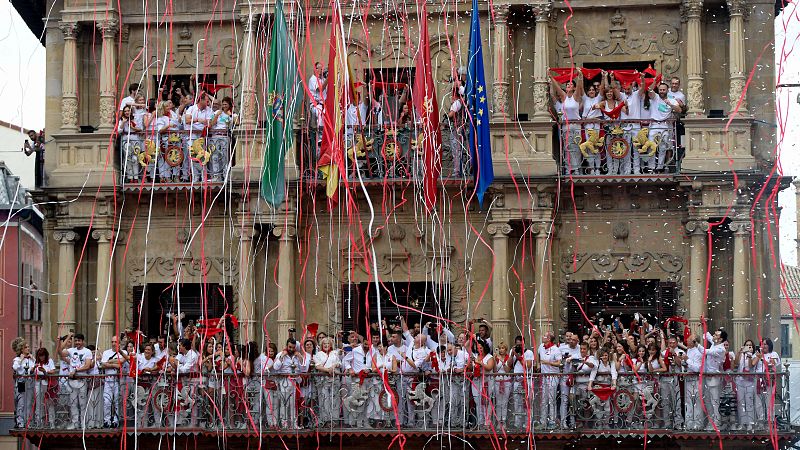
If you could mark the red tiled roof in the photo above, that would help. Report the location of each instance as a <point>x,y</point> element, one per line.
<point>790,285</point>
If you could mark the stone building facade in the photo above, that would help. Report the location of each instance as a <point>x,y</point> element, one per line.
<point>121,254</point>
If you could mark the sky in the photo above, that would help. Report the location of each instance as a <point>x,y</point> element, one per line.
<point>22,81</point>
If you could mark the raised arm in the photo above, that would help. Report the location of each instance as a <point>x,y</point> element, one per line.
<point>556,91</point>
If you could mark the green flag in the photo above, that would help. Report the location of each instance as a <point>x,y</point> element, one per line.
<point>282,89</point>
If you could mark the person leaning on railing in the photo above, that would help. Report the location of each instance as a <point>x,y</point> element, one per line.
<point>570,98</point>
<point>130,144</point>
<point>23,367</point>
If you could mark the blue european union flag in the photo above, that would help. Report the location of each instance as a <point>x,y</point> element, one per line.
<point>480,146</point>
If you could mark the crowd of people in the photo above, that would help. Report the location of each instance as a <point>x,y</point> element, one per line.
<point>176,137</point>
<point>631,124</point>
<point>422,376</point>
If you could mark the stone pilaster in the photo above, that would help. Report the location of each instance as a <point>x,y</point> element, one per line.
<point>737,10</point>
<point>106,306</point>
<point>741,280</point>
<point>543,310</point>
<point>693,11</point>
<point>500,105</point>
<point>69,77</point>
<point>501,298</point>
<point>66,274</point>
<point>287,303</point>
<point>245,309</point>
<point>698,235</point>
<point>108,68</point>
<point>541,61</point>
<point>249,65</point>
<point>796,184</point>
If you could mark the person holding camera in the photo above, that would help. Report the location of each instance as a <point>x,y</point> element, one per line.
<point>550,363</point>
<point>22,366</point>
<point>287,363</point>
<point>111,362</point>
<point>521,361</point>
<point>767,392</point>
<point>669,386</point>
<point>570,352</point>
<point>79,359</point>
<point>746,362</point>
<point>318,89</point>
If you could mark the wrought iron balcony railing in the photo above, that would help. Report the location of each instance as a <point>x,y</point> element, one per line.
<point>175,157</point>
<point>619,147</point>
<point>667,403</point>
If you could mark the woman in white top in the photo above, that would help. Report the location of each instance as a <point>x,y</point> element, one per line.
<point>155,124</point>
<point>593,115</point>
<point>482,385</point>
<point>767,391</point>
<point>570,98</point>
<point>23,387</point>
<point>605,374</point>
<point>745,363</point>
<point>608,107</point>
<point>327,363</point>
<point>503,384</point>
<point>220,141</point>
<point>45,390</point>
<point>131,144</point>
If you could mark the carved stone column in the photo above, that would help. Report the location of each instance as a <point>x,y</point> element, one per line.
<point>741,280</point>
<point>501,298</point>
<point>737,10</point>
<point>693,11</point>
<point>541,59</point>
<point>698,235</point>
<point>66,274</point>
<point>286,288</point>
<point>543,308</point>
<point>108,67</point>
<point>245,308</point>
<point>249,65</point>
<point>106,306</point>
<point>500,86</point>
<point>69,78</point>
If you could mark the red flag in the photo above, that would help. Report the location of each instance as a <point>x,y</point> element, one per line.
<point>652,82</point>
<point>650,71</point>
<point>627,77</point>
<point>424,98</point>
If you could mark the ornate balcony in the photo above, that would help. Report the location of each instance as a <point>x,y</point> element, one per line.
<point>751,405</point>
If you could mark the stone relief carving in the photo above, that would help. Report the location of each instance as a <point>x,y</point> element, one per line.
<point>69,112</point>
<point>660,39</point>
<point>606,263</point>
<point>167,268</point>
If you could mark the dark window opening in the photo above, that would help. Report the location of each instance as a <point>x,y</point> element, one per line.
<point>388,85</point>
<point>194,300</point>
<point>621,299</point>
<point>416,302</point>
<point>175,84</point>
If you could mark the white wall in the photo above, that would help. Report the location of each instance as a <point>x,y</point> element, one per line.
<point>11,142</point>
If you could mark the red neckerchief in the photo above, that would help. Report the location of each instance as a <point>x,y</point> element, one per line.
<point>666,357</point>
<point>727,364</point>
<point>362,376</point>
<point>547,346</point>
<point>434,361</point>
<point>614,113</point>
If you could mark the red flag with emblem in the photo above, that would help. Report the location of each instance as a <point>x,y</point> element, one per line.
<point>429,138</point>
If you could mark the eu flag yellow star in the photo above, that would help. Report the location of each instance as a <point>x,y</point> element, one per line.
<point>483,99</point>
<point>478,122</point>
<point>480,89</point>
<point>480,111</point>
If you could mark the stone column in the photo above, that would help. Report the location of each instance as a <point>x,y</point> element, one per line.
<point>106,306</point>
<point>249,65</point>
<point>108,68</point>
<point>286,287</point>
<point>543,308</point>
<point>66,275</point>
<point>245,309</point>
<point>796,184</point>
<point>741,281</point>
<point>69,78</point>
<point>693,10</point>
<point>500,85</point>
<point>737,10</point>
<point>541,60</point>
<point>501,298</point>
<point>698,235</point>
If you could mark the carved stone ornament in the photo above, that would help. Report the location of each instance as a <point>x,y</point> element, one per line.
<point>70,30</point>
<point>736,91</point>
<point>102,235</point>
<point>185,33</point>
<point>620,230</point>
<point>605,263</point>
<point>694,95</point>
<point>740,227</point>
<point>500,94</point>
<point>737,7</point>
<point>499,229</point>
<point>69,112</point>
<point>162,269</point>
<point>65,236</point>
<point>107,109</point>
<point>109,27</point>
<point>542,11</point>
<point>691,9</point>
<point>540,96</point>
<point>697,227</point>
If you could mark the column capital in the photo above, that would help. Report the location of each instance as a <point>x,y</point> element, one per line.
<point>696,227</point>
<point>249,22</point>
<point>65,236</point>
<point>542,11</point>
<point>244,233</point>
<point>285,232</point>
<point>691,9</point>
<point>737,7</point>
<point>108,27</point>
<point>499,229</point>
<point>740,227</point>
<point>541,229</point>
<point>70,30</point>
<point>501,13</point>
<point>103,235</point>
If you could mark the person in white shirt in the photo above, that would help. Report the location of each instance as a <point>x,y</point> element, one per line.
<point>111,362</point>
<point>669,386</point>
<point>263,367</point>
<point>745,363</point>
<point>130,100</point>
<point>95,406</point>
<point>357,367</point>
<point>767,391</point>
<point>592,114</point>
<point>452,377</point>
<point>196,119</point>
<point>327,363</point>
<point>187,366</point>
<point>288,362</point>
<point>570,351</point>
<point>550,363</point>
<point>318,88</point>
<point>457,119</point>
<point>522,366</point>
<point>398,351</point>
<point>570,98</point>
<point>712,379</point>
<point>23,366</point>
<point>662,111</point>
<point>44,399</point>
<point>483,364</point>
<point>80,362</point>
<point>583,367</point>
<point>693,361</point>
<point>503,384</point>
<point>380,398</point>
<point>630,117</point>
<point>222,123</point>
<point>604,373</point>
<point>675,93</point>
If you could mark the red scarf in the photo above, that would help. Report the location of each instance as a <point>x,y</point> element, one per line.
<point>590,73</point>
<point>564,74</point>
<point>547,346</point>
<point>614,113</point>
<point>627,77</point>
<point>434,361</point>
<point>727,364</point>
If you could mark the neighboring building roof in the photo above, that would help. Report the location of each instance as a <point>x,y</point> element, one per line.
<point>12,194</point>
<point>33,13</point>
<point>791,281</point>
<point>11,126</point>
